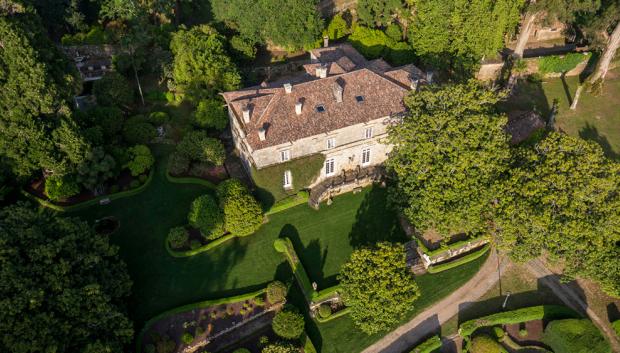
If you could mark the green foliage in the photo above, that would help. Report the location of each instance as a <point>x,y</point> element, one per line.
<point>280,347</point>
<point>110,119</point>
<point>141,159</point>
<point>288,324</point>
<point>378,13</point>
<point>377,286</point>
<point>210,113</point>
<point>96,169</point>
<point>178,163</point>
<point>460,261</point>
<point>428,346</point>
<point>616,326</point>
<point>337,28</point>
<point>242,350</point>
<point>138,132</point>
<point>374,43</point>
<point>499,333</point>
<point>541,312</point>
<point>269,180</point>
<point>242,213</point>
<point>62,285</point>
<point>325,311</point>
<point>561,63</point>
<point>244,48</point>
<point>559,199</point>
<point>394,32</point>
<point>113,90</point>
<point>575,336</point>
<point>486,344</point>
<point>187,338</point>
<point>61,187</point>
<point>201,66</point>
<point>95,36</point>
<point>284,245</point>
<point>198,146</point>
<point>206,215</point>
<point>276,292</point>
<point>159,118</point>
<point>291,201</point>
<point>449,151</point>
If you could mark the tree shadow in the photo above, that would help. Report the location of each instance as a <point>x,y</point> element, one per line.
<point>569,99</point>
<point>375,221</point>
<point>591,133</point>
<point>528,94</point>
<point>415,336</point>
<point>613,314</point>
<point>312,257</point>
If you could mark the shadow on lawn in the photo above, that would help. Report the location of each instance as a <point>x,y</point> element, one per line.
<point>591,133</point>
<point>375,221</point>
<point>312,257</point>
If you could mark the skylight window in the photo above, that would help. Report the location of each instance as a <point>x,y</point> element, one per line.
<point>320,108</point>
<point>359,99</point>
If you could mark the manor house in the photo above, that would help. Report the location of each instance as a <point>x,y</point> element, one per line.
<point>340,107</point>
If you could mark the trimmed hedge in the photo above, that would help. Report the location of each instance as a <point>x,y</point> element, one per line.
<point>561,63</point>
<point>575,336</point>
<point>428,346</point>
<point>193,306</point>
<point>82,205</point>
<point>306,342</point>
<point>486,344</point>
<point>189,180</point>
<point>304,172</point>
<point>458,262</point>
<point>289,202</point>
<point>187,253</point>
<point>517,316</point>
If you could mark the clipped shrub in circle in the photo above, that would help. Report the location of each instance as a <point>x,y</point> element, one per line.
<point>178,237</point>
<point>288,324</point>
<point>325,311</point>
<point>276,292</point>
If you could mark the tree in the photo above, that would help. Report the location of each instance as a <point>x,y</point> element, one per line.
<point>288,324</point>
<point>449,150</point>
<point>276,292</point>
<point>562,199</point>
<point>113,90</point>
<point>378,287</point>
<point>63,287</point>
<point>141,160</point>
<point>211,113</point>
<point>96,169</point>
<point>178,237</point>
<point>205,214</point>
<point>138,131</point>
<point>378,13</point>
<point>337,28</point>
<point>196,145</point>
<point>242,213</point>
<point>61,187</point>
<point>201,67</point>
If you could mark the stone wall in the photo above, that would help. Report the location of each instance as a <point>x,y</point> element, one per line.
<point>489,71</point>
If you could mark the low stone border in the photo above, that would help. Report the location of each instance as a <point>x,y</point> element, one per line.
<point>458,262</point>
<point>96,200</point>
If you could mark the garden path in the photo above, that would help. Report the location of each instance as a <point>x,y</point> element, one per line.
<point>430,320</point>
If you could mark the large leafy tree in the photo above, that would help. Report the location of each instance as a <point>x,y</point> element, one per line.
<point>201,65</point>
<point>378,12</point>
<point>378,287</point>
<point>449,150</point>
<point>62,286</point>
<point>563,199</point>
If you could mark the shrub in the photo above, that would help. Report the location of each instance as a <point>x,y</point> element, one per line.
<point>276,292</point>
<point>196,145</point>
<point>194,244</point>
<point>244,48</point>
<point>61,187</point>
<point>337,27</point>
<point>394,32</point>
<point>141,159</point>
<point>210,113</point>
<point>523,332</point>
<point>428,346</point>
<point>616,326</point>
<point>242,350</point>
<point>178,163</point>
<point>374,43</point>
<point>158,118</point>
<point>242,213</point>
<point>187,338</point>
<point>499,333</point>
<point>263,341</point>
<point>288,324</point>
<point>113,90</point>
<point>325,311</point>
<point>486,344</point>
<point>205,215</point>
<point>560,63</point>
<point>110,119</point>
<point>575,336</point>
<point>138,133</point>
<point>280,347</point>
<point>258,301</point>
<point>134,184</point>
<point>178,237</point>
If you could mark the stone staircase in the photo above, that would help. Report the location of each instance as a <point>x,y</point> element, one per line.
<point>414,262</point>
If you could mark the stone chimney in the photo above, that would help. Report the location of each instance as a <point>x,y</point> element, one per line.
<point>325,41</point>
<point>246,114</point>
<point>321,71</point>
<point>262,133</point>
<point>414,83</point>
<point>429,77</point>
<point>288,88</point>
<point>338,91</point>
<point>298,107</point>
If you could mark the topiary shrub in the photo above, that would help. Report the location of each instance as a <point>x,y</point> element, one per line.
<point>187,338</point>
<point>276,292</point>
<point>575,336</point>
<point>486,344</point>
<point>178,237</point>
<point>206,215</point>
<point>61,187</point>
<point>242,213</point>
<point>325,311</point>
<point>288,324</point>
<point>499,333</point>
<point>141,159</point>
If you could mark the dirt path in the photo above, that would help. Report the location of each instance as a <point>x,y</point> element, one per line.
<point>430,320</point>
<point>571,297</point>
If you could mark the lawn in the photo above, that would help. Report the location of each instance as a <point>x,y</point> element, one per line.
<point>597,118</point>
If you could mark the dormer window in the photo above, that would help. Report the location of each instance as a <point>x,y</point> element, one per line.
<point>331,143</point>
<point>320,108</point>
<point>359,99</point>
<point>368,133</point>
<point>285,155</point>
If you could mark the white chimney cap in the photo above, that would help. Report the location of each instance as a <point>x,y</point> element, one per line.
<point>298,107</point>
<point>246,114</point>
<point>288,88</point>
<point>321,71</point>
<point>261,133</point>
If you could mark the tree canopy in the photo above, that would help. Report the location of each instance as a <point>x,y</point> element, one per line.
<point>449,151</point>
<point>378,12</point>
<point>63,287</point>
<point>378,287</point>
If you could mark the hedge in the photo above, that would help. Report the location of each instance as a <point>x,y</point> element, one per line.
<point>189,180</point>
<point>186,253</point>
<point>307,344</point>
<point>575,336</point>
<point>461,261</point>
<point>269,180</point>
<point>428,346</point>
<point>188,307</point>
<point>82,205</point>
<point>561,63</point>
<point>447,247</point>
<point>289,202</point>
<point>333,316</point>
<point>517,316</point>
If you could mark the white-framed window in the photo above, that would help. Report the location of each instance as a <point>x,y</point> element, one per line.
<point>288,180</point>
<point>368,133</point>
<point>329,167</point>
<point>331,142</point>
<point>365,156</point>
<point>285,155</point>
